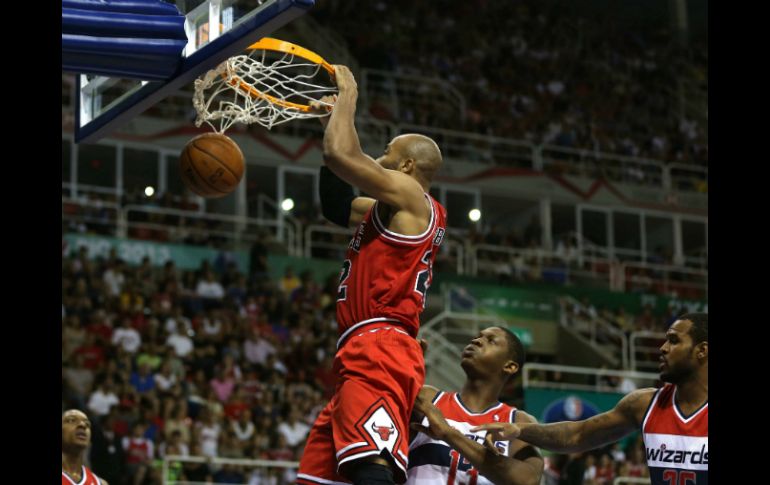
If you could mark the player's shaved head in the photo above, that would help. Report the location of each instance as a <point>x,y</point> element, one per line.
<point>423,150</point>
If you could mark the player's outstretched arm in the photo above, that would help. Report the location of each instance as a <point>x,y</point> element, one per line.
<point>578,436</point>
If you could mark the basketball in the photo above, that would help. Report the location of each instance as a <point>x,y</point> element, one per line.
<point>211,165</point>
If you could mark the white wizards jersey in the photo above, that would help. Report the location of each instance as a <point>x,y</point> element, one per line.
<point>434,462</point>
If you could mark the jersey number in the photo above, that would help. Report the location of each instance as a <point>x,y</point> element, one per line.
<point>422,283</point>
<point>457,458</point>
<point>420,286</point>
<point>679,477</point>
<point>342,291</point>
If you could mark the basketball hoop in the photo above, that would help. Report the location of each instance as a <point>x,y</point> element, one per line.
<point>273,84</point>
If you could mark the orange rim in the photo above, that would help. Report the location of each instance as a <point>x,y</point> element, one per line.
<point>276,45</point>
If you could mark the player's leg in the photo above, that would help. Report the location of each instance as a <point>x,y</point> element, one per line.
<point>318,465</point>
<point>381,374</point>
<point>371,471</point>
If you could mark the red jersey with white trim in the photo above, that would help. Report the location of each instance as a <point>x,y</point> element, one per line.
<point>434,462</point>
<point>385,275</point>
<point>87,478</point>
<point>676,447</point>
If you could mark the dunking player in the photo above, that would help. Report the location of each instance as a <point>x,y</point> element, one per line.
<point>362,435</point>
<point>75,438</point>
<point>673,419</point>
<point>445,453</point>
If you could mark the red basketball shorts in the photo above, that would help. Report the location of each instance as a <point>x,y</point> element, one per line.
<point>381,370</point>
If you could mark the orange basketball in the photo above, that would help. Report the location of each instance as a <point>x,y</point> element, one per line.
<point>211,165</point>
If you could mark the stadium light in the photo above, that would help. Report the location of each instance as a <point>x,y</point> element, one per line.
<point>287,205</point>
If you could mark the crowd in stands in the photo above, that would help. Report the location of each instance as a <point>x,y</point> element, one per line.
<point>537,71</point>
<point>205,363</point>
<point>598,467</point>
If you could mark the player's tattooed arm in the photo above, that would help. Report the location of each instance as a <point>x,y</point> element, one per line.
<point>577,436</point>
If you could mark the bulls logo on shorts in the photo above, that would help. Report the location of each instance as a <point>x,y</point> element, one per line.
<point>379,426</point>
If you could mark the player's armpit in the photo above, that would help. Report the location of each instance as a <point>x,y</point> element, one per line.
<point>358,209</point>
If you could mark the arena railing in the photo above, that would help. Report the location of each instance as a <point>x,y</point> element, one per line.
<point>240,462</point>
<point>645,349</point>
<point>589,264</point>
<point>631,481</point>
<point>536,375</point>
<point>601,334</point>
<point>241,229</point>
<point>685,282</point>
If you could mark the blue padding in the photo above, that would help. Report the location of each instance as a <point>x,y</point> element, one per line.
<point>111,24</point>
<point>143,68</point>
<point>118,46</point>
<point>109,56</point>
<point>146,7</point>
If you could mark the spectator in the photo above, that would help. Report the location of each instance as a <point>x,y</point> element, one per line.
<point>256,349</point>
<point>208,431</point>
<point>143,380</point>
<point>289,281</point>
<point>209,287</point>
<point>127,337</point>
<point>605,472</point>
<point>589,476</point>
<point>79,378</point>
<point>165,379</point>
<point>103,398</point>
<point>139,454</point>
<point>243,428</point>
<point>294,430</point>
<point>180,342</point>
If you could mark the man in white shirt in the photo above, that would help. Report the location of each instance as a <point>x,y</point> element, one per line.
<point>127,337</point>
<point>114,279</point>
<point>209,287</point>
<point>294,430</point>
<point>103,398</point>
<point>177,318</point>
<point>181,343</point>
<point>256,349</point>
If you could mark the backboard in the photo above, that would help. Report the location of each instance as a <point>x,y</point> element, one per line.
<point>215,29</point>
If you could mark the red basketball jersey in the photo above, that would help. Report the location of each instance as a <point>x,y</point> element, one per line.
<point>87,478</point>
<point>676,447</point>
<point>385,276</point>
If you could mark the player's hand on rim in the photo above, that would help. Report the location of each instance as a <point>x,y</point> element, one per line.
<point>344,79</point>
<point>323,106</point>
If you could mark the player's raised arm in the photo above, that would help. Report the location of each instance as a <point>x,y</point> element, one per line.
<point>344,156</point>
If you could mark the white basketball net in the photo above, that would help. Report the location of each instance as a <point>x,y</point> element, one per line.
<point>264,87</point>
